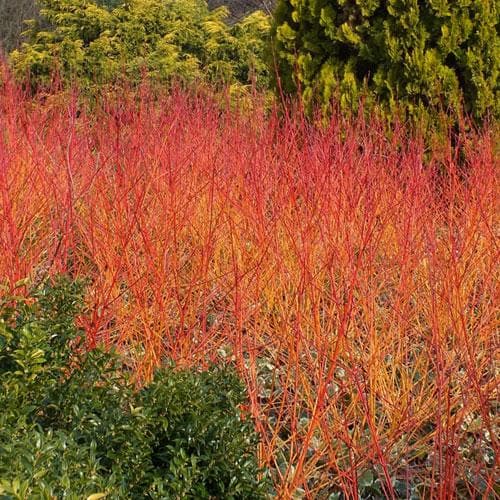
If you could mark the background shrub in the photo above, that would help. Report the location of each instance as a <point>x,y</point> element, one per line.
<point>420,53</point>
<point>72,424</point>
<point>164,39</point>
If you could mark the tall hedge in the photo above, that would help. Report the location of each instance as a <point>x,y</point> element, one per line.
<point>422,53</point>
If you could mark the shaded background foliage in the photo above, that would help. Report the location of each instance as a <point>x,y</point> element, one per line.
<point>12,16</point>
<point>415,55</point>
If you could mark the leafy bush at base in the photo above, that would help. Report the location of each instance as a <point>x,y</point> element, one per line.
<point>72,425</point>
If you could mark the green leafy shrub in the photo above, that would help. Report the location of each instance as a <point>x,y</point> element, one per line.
<point>164,39</point>
<point>72,425</point>
<point>416,53</point>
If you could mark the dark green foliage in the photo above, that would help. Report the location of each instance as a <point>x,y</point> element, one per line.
<point>94,43</point>
<point>415,53</point>
<point>72,425</point>
<point>198,437</point>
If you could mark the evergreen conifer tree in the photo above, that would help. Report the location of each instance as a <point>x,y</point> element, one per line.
<point>423,53</point>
